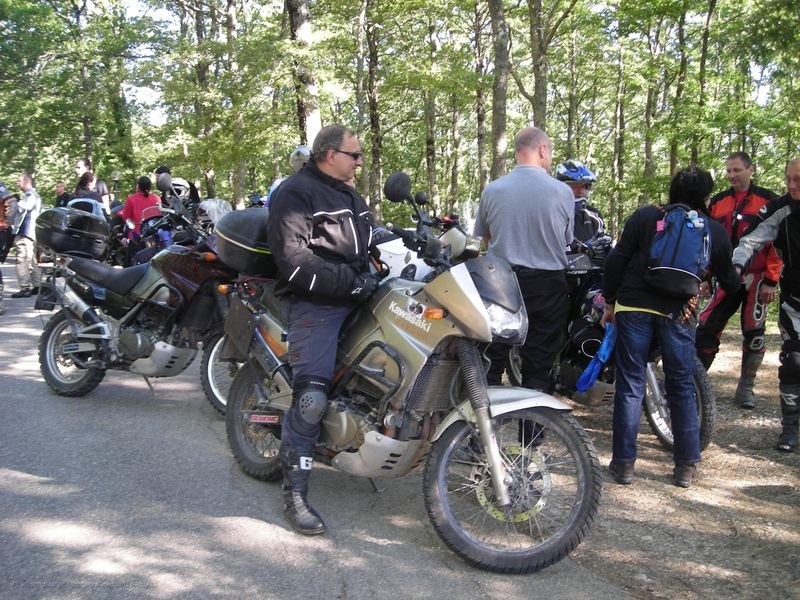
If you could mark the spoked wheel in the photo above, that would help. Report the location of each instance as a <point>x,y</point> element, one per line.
<point>555,487</point>
<point>656,407</point>
<point>64,359</point>
<point>253,430</point>
<point>216,375</point>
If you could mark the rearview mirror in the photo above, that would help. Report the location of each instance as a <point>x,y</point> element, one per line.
<point>397,187</point>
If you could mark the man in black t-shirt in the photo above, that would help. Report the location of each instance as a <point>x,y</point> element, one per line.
<point>62,197</point>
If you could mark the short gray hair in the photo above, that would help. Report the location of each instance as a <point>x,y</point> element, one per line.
<point>329,137</point>
<point>530,137</point>
<point>791,164</point>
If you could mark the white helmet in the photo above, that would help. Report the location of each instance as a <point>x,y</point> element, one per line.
<point>299,158</point>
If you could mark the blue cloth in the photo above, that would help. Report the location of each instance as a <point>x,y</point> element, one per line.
<point>635,334</point>
<point>590,373</point>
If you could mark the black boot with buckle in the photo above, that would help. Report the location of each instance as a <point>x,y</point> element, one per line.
<point>298,512</point>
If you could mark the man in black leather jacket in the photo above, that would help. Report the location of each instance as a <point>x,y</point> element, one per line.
<point>779,223</point>
<point>319,232</point>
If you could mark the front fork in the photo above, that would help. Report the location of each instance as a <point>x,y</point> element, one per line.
<point>475,379</point>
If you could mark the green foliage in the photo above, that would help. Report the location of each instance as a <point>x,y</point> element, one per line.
<point>227,99</point>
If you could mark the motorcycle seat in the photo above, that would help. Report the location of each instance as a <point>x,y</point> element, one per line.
<point>119,281</point>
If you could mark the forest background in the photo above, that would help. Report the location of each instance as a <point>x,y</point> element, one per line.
<point>223,90</point>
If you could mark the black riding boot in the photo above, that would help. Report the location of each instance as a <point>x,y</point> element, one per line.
<point>298,512</point>
<point>744,390</point>
<point>790,422</point>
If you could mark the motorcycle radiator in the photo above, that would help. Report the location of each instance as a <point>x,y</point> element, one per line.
<point>434,388</point>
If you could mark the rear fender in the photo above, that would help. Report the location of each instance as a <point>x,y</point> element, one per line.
<point>502,400</point>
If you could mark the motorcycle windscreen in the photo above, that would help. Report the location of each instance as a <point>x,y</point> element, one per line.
<point>495,281</point>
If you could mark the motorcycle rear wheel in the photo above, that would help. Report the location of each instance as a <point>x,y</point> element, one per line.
<point>555,491</point>
<point>255,446</point>
<point>216,376</point>
<point>656,409</point>
<point>63,371</point>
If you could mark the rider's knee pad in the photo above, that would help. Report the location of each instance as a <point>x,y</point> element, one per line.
<point>754,342</point>
<point>311,400</point>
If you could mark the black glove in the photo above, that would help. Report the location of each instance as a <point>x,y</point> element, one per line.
<point>364,285</point>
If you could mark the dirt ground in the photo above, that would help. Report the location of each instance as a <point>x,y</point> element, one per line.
<point>735,533</point>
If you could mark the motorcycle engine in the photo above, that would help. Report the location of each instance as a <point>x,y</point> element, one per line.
<point>134,344</point>
<point>138,339</point>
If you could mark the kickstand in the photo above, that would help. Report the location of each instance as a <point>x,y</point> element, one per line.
<point>377,490</point>
<point>150,385</point>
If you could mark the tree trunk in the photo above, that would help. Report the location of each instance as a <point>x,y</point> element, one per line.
<point>376,137</point>
<point>701,101</point>
<point>238,171</point>
<point>618,160</point>
<point>650,113</point>
<point>454,155</point>
<point>430,127</point>
<point>572,110</point>
<point>538,41</point>
<point>480,100</point>
<point>499,88</point>
<point>362,108</point>
<point>308,115</point>
<point>676,105</point>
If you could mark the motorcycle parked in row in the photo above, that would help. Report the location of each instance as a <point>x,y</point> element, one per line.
<point>511,481</point>
<point>147,319</point>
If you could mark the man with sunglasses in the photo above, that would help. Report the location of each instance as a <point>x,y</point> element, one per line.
<point>319,232</point>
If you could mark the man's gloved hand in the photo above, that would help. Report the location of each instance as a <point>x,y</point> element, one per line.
<point>364,286</point>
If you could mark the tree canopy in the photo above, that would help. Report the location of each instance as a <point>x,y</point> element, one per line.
<point>436,88</point>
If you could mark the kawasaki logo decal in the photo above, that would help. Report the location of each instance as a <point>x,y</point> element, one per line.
<point>409,317</point>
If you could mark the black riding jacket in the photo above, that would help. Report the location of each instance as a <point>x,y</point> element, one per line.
<point>779,223</point>
<point>319,232</point>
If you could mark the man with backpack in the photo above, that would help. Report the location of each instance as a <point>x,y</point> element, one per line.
<point>737,208</point>
<point>779,223</point>
<point>651,283</point>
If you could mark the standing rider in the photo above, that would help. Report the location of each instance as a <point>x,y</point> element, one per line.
<point>588,220</point>
<point>779,223</point>
<point>526,219</point>
<point>319,233</point>
<point>737,208</point>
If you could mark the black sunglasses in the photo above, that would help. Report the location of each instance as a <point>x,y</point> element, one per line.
<point>353,155</point>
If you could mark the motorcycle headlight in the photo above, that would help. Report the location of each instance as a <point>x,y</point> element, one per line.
<point>507,327</point>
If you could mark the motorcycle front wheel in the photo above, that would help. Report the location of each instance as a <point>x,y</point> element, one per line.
<point>253,433</point>
<point>656,408</point>
<point>555,487</point>
<point>63,359</point>
<point>216,375</point>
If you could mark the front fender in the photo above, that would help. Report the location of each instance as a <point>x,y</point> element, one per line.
<point>502,400</point>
